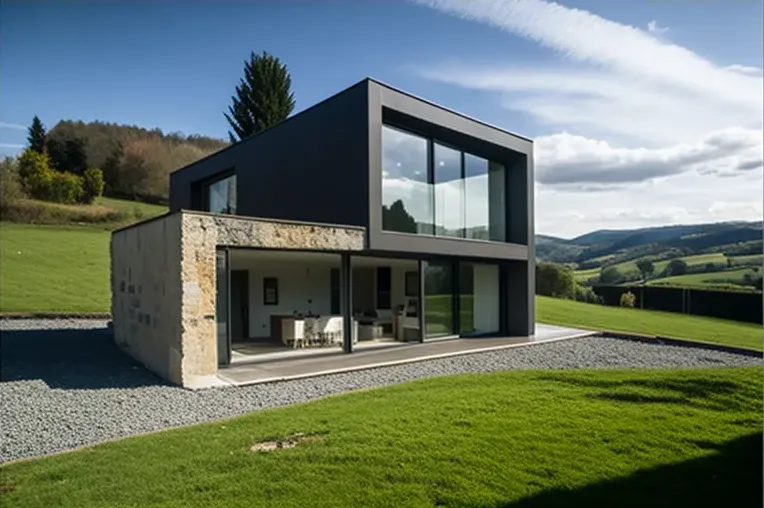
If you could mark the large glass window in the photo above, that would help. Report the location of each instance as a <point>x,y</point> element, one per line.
<point>478,298</point>
<point>438,299</point>
<point>449,192</point>
<point>485,199</point>
<point>429,188</point>
<point>406,191</point>
<point>221,196</point>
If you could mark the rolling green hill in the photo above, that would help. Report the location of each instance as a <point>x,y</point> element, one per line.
<point>629,268</point>
<point>727,279</point>
<point>704,247</point>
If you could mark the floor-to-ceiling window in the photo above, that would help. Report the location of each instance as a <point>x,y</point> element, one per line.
<point>484,190</point>
<point>433,189</point>
<point>478,298</point>
<point>439,304</point>
<point>407,194</point>
<point>449,191</point>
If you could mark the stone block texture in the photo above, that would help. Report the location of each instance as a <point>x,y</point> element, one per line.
<point>146,294</point>
<point>170,324</point>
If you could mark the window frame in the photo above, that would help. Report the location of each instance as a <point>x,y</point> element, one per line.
<point>431,141</point>
<point>205,184</point>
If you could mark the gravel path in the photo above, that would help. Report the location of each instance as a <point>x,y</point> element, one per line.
<point>65,384</point>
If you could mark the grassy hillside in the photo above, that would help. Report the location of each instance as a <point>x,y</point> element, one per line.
<point>728,279</point>
<point>105,213</point>
<point>53,268</point>
<point>608,247</point>
<point>629,269</point>
<point>61,263</point>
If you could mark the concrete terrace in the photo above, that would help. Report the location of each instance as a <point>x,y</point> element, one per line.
<point>248,370</point>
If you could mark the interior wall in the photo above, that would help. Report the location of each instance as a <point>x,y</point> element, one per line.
<point>305,286</point>
<point>364,288</point>
<point>486,298</point>
<point>365,284</point>
<point>302,286</point>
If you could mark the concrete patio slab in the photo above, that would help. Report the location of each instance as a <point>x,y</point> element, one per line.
<point>254,372</point>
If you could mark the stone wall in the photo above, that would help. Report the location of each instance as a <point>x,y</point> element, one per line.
<point>168,321</point>
<point>146,294</point>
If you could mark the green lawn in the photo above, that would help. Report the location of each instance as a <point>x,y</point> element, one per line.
<point>53,268</point>
<point>533,439</point>
<point>667,324</point>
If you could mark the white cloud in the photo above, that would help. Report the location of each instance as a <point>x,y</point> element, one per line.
<point>570,159</point>
<point>626,119</point>
<point>6,125</point>
<point>11,145</point>
<point>654,28</point>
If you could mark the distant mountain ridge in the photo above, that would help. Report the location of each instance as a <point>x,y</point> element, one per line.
<point>602,247</point>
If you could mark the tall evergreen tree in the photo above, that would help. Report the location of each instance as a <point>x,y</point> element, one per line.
<point>263,97</point>
<point>36,137</point>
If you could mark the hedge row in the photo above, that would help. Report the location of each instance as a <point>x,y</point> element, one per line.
<point>736,306</point>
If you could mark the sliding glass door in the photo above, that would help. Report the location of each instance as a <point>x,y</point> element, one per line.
<point>460,299</point>
<point>439,301</point>
<point>478,299</point>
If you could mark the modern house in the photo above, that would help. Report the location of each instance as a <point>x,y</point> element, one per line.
<point>372,219</point>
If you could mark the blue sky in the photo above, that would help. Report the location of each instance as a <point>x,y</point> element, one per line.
<point>174,65</point>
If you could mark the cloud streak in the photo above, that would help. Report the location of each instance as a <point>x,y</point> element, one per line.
<point>585,37</point>
<point>6,125</point>
<point>620,116</point>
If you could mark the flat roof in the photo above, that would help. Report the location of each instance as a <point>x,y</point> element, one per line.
<point>440,106</point>
<point>379,83</point>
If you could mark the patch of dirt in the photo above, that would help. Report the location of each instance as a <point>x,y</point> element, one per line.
<point>283,444</point>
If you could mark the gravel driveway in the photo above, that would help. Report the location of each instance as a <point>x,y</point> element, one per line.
<point>65,384</point>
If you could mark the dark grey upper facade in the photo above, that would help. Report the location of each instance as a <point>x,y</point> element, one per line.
<point>422,180</point>
<point>325,165</point>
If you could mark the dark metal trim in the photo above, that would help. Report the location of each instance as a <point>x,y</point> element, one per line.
<point>346,301</point>
<point>421,267</point>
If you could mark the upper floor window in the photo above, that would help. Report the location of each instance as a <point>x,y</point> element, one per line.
<point>220,196</point>
<point>433,189</point>
<point>407,193</point>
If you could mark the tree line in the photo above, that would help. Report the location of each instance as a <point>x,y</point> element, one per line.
<point>75,159</point>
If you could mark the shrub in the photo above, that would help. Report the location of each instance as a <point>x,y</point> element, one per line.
<point>92,185</point>
<point>555,280</point>
<point>586,294</point>
<point>35,174</point>
<point>628,300</point>
<point>65,188</point>
<point>10,183</point>
<point>676,267</point>
<point>611,275</point>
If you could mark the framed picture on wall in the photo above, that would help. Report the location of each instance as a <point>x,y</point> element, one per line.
<point>412,283</point>
<point>270,291</point>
